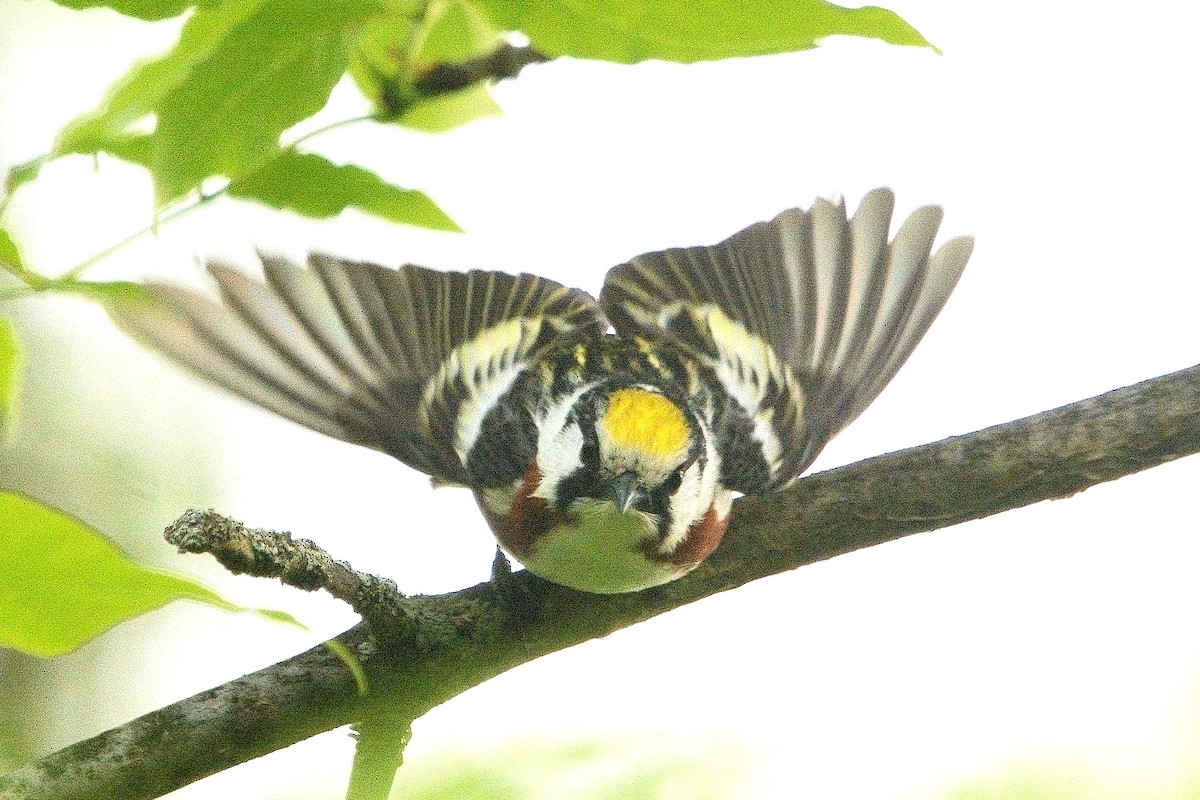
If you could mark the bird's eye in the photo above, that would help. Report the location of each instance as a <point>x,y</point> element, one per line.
<point>672,483</point>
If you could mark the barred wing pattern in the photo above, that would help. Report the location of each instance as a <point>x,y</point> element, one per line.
<point>404,361</point>
<point>801,322</point>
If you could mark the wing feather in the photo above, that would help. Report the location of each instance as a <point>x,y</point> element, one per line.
<point>404,361</point>
<point>801,321</point>
<point>306,302</point>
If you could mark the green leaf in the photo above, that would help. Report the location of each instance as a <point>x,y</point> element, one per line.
<point>378,66</point>
<point>315,187</point>
<point>10,375</point>
<point>142,9</point>
<point>12,263</point>
<point>275,68</point>
<point>61,583</point>
<point>134,149</point>
<point>24,173</point>
<point>138,94</point>
<point>442,112</point>
<point>455,31</point>
<point>628,31</point>
<point>242,72</point>
<point>10,256</point>
<point>390,57</point>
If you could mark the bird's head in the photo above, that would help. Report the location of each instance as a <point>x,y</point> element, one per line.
<point>630,477</point>
<point>645,442</point>
<point>632,446</point>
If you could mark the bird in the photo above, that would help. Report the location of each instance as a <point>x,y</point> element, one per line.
<point>603,438</point>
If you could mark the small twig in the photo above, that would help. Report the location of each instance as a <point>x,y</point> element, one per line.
<point>185,206</point>
<point>72,274</point>
<point>506,61</point>
<point>296,562</point>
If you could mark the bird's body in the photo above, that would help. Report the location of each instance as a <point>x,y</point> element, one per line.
<point>602,461</point>
<point>654,403</point>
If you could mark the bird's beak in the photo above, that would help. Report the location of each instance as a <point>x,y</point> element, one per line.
<point>624,490</point>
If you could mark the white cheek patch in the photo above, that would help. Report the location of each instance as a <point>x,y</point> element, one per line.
<point>560,445</point>
<point>698,492</point>
<point>688,504</point>
<point>558,456</point>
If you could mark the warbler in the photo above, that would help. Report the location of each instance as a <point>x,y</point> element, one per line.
<point>603,460</point>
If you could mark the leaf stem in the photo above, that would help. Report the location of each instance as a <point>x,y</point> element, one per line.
<point>73,274</point>
<point>341,123</point>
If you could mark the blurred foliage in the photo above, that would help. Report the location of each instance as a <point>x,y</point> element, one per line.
<point>454,31</point>
<point>10,257</point>
<point>142,9</point>
<point>10,376</point>
<point>393,54</point>
<point>315,187</point>
<point>243,72</point>
<point>629,768</point>
<point>1046,781</point>
<point>1160,763</point>
<point>62,583</point>
<point>1073,780</point>
<point>101,438</point>
<point>12,262</point>
<point>628,31</point>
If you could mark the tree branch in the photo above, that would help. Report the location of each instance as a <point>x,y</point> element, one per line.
<point>296,562</point>
<point>467,637</point>
<point>506,61</point>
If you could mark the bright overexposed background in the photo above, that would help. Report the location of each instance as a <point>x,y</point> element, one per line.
<point>1052,647</point>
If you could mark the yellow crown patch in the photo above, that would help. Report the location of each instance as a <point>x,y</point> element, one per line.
<point>645,420</point>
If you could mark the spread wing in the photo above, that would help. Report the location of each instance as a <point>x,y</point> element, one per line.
<point>801,322</point>
<point>406,361</point>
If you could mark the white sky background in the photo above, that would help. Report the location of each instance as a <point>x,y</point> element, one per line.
<point>1061,134</point>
